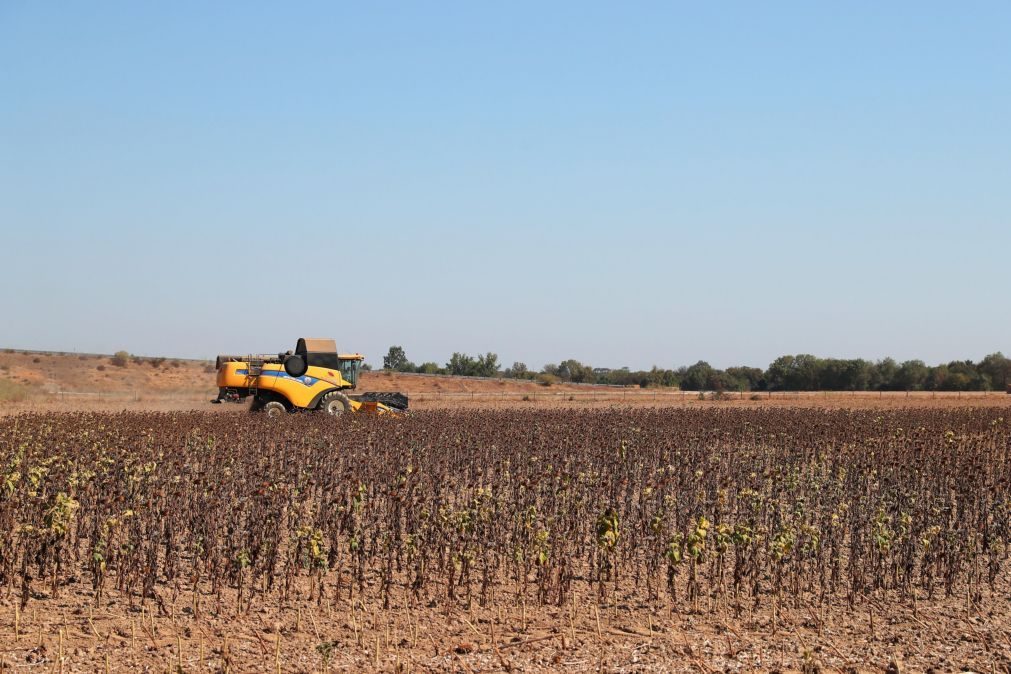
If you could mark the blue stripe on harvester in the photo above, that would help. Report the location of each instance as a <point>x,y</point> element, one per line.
<point>281,374</point>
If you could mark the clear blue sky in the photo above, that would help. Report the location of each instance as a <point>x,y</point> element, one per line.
<point>625,184</point>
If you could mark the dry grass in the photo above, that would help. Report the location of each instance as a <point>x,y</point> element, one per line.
<point>12,392</point>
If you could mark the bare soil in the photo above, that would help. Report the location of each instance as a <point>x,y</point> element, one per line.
<point>183,631</point>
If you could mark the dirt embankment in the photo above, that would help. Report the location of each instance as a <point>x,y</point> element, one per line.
<point>66,380</point>
<point>49,373</point>
<point>47,381</point>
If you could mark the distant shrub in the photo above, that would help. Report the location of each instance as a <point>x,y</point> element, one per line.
<point>155,362</point>
<point>547,379</point>
<point>82,358</point>
<point>120,359</point>
<point>36,360</point>
<point>176,363</point>
<point>100,368</point>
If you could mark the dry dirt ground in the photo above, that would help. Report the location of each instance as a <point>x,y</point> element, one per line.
<point>71,381</point>
<point>185,632</point>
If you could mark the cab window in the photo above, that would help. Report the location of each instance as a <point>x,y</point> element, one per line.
<point>349,370</point>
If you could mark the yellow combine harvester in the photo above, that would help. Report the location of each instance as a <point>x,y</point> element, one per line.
<point>312,377</point>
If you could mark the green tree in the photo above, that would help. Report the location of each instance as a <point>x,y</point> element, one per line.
<point>807,371</point>
<point>461,365</point>
<point>794,373</point>
<point>958,380</point>
<point>395,359</point>
<point>748,378</point>
<point>661,377</point>
<point>779,373</point>
<point>912,375</point>
<point>573,370</point>
<point>937,378</point>
<point>837,374</point>
<point>486,365</point>
<point>883,375</point>
<point>697,377</point>
<point>963,376</point>
<point>721,380</point>
<point>517,371</point>
<point>997,369</point>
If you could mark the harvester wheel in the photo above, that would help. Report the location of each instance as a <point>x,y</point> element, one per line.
<point>335,403</point>
<point>274,409</point>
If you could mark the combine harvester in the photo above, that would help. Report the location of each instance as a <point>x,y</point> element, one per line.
<point>312,378</point>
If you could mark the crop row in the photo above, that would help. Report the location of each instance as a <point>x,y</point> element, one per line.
<point>698,508</point>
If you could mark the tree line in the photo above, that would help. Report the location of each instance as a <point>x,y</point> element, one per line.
<point>460,364</point>
<point>802,372</point>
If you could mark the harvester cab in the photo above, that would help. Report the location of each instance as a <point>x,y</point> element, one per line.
<point>312,377</point>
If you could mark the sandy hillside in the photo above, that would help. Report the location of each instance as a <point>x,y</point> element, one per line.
<point>45,374</point>
<point>51,372</point>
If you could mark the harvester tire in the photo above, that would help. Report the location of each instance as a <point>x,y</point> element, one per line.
<point>274,409</point>
<point>335,403</point>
